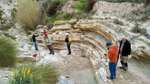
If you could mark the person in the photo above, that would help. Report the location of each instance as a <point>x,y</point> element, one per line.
<point>68,41</point>
<point>34,40</point>
<point>45,33</point>
<point>124,51</point>
<point>112,56</point>
<point>49,44</point>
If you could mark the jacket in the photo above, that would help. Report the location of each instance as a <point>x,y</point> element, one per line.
<point>34,37</point>
<point>68,40</point>
<point>113,54</point>
<point>45,33</point>
<point>126,50</point>
<point>48,41</point>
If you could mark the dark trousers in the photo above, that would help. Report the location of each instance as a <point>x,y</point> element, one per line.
<point>68,46</point>
<point>50,49</point>
<point>112,69</point>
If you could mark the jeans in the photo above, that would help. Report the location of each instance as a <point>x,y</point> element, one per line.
<point>36,46</point>
<point>112,69</point>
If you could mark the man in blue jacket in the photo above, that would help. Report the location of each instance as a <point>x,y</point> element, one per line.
<point>124,51</point>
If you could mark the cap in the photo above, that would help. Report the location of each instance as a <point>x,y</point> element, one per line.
<point>67,34</point>
<point>108,44</point>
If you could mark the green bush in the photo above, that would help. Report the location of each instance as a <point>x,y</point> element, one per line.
<point>80,5</point>
<point>8,52</point>
<point>22,76</point>
<point>137,29</point>
<point>40,74</point>
<point>28,14</point>
<point>85,5</point>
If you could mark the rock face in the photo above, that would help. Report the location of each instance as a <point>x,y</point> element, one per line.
<point>105,14</point>
<point>92,36</point>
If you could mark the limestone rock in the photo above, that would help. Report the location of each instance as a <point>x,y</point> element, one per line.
<point>39,26</point>
<point>103,74</point>
<point>64,80</point>
<point>65,22</point>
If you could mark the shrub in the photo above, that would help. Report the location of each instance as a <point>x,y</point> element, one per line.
<point>28,14</point>
<point>137,29</point>
<point>40,74</point>
<point>21,76</point>
<point>8,52</point>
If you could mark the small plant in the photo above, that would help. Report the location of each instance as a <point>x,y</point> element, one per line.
<point>13,12</point>
<point>137,29</point>
<point>8,52</point>
<point>21,76</point>
<point>116,21</point>
<point>1,13</point>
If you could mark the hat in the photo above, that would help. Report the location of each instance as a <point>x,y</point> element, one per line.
<point>67,34</point>
<point>108,44</point>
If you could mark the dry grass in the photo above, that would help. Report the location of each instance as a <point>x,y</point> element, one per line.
<point>43,74</point>
<point>28,13</point>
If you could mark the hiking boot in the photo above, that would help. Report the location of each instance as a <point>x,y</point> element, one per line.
<point>109,78</point>
<point>114,77</point>
<point>121,67</point>
<point>125,69</point>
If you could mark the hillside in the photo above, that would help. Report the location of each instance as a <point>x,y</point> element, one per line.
<point>107,21</point>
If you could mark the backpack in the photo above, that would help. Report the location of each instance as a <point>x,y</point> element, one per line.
<point>31,39</point>
<point>70,39</point>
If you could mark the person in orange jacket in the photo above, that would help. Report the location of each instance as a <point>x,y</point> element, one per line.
<point>112,56</point>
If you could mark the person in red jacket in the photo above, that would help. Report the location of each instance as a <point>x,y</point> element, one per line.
<point>112,56</point>
<point>45,33</point>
